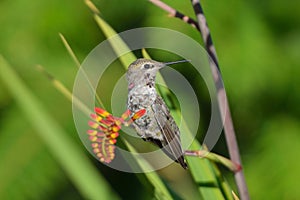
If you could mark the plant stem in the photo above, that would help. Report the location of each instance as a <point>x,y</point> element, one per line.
<point>222,100</point>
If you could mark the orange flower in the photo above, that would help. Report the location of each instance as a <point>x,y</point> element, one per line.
<point>105,131</point>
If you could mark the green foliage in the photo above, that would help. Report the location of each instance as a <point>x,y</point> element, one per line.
<point>258,48</point>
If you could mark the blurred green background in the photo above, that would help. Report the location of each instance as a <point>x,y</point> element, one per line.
<point>258,45</point>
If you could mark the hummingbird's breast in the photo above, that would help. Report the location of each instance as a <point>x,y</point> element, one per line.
<point>139,98</point>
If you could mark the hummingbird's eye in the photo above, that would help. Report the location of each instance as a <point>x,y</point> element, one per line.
<point>146,66</point>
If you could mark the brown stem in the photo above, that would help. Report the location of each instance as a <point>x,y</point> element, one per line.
<point>175,13</point>
<point>222,100</point>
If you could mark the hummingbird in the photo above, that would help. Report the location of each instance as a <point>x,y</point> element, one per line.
<point>156,125</point>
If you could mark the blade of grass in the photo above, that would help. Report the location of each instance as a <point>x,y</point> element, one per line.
<point>67,153</point>
<point>69,49</point>
<point>60,87</point>
<point>77,63</point>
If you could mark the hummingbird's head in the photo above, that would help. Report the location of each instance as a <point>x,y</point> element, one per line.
<point>141,68</point>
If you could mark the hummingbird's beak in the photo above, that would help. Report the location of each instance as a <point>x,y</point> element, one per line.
<point>175,62</point>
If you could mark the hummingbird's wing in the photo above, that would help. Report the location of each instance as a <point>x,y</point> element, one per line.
<point>170,143</point>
